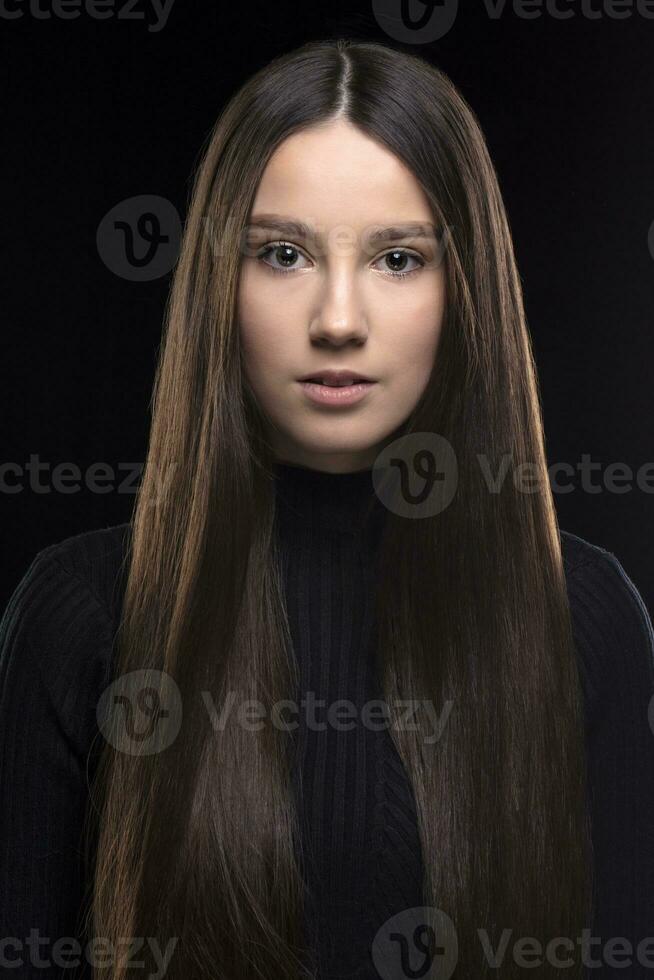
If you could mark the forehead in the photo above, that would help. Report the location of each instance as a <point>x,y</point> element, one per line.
<point>335,174</point>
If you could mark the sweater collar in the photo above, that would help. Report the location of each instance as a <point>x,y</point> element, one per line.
<point>340,502</point>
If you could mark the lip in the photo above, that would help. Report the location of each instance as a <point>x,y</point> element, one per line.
<point>336,397</point>
<point>341,376</point>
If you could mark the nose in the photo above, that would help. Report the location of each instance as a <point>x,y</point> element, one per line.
<point>340,319</point>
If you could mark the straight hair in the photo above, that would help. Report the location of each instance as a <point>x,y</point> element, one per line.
<point>200,841</point>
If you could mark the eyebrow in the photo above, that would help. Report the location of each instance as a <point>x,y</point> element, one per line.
<point>299,229</point>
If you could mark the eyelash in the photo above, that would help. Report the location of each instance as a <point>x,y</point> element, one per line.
<point>271,246</point>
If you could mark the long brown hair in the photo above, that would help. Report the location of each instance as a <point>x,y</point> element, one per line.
<point>199,841</point>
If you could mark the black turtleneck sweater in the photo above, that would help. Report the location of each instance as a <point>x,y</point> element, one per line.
<point>361,850</point>
<point>360,829</point>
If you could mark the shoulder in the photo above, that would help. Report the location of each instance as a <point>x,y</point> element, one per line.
<point>81,573</point>
<point>95,558</point>
<point>58,627</point>
<point>577,551</point>
<point>596,576</point>
<point>611,625</point>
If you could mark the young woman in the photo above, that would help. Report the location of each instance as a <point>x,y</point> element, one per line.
<point>191,694</point>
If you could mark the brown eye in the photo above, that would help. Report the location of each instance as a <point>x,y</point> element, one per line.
<point>283,253</point>
<point>396,261</point>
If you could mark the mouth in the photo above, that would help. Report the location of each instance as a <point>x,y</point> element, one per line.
<point>337,379</point>
<point>335,392</point>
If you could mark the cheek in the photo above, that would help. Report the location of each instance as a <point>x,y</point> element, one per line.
<point>258,324</point>
<point>257,341</point>
<point>413,336</point>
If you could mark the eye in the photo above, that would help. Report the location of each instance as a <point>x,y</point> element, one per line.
<point>284,252</point>
<point>399,256</point>
<point>287,255</point>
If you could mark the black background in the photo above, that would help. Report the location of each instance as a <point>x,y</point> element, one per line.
<point>98,111</point>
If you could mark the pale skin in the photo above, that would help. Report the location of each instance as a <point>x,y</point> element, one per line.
<point>338,301</point>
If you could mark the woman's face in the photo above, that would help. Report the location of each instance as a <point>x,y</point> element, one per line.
<point>334,299</point>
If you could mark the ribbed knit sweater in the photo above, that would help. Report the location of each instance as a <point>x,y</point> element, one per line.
<point>360,840</point>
